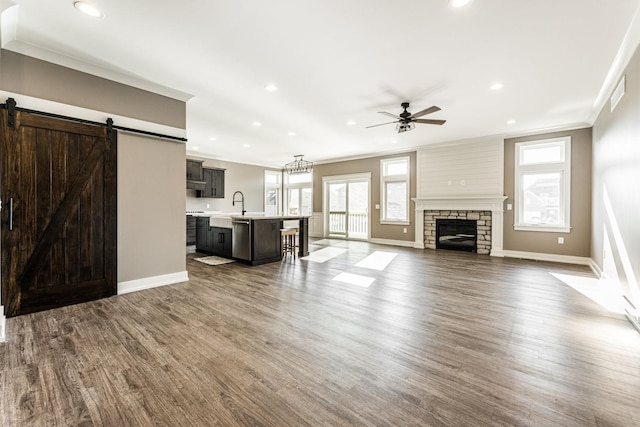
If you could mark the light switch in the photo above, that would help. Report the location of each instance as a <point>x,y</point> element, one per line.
<point>377,206</point>
<point>509,206</point>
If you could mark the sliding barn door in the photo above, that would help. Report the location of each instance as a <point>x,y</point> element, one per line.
<point>58,190</point>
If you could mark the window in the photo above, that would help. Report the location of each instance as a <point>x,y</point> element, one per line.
<point>298,190</point>
<point>543,184</point>
<point>394,188</point>
<point>272,191</point>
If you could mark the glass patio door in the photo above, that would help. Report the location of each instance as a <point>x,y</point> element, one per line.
<point>348,203</point>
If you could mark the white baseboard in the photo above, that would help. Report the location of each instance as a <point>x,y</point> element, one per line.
<point>152,282</point>
<point>3,336</point>
<point>596,269</point>
<point>537,256</point>
<point>390,242</point>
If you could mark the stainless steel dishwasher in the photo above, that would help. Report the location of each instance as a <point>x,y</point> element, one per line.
<point>241,239</point>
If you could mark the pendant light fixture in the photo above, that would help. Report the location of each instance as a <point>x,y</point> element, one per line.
<point>298,165</point>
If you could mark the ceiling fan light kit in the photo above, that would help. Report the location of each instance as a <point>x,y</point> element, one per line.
<point>407,121</point>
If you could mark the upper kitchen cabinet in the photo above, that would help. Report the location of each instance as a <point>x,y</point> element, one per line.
<point>195,175</point>
<point>214,183</point>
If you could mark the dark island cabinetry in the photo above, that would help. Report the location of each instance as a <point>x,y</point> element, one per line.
<point>266,241</point>
<point>256,239</point>
<point>212,240</point>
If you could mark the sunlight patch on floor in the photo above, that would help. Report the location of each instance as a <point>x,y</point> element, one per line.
<point>378,260</point>
<point>324,255</point>
<point>355,279</point>
<point>605,293</point>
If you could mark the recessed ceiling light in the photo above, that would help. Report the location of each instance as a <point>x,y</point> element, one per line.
<point>195,148</point>
<point>270,87</point>
<point>88,9</point>
<point>257,124</point>
<point>292,134</point>
<point>496,86</point>
<point>351,123</point>
<point>458,3</point>
<point>394,142</point>
<point>213,138</point>
<point>511,122</point>
<point>246,145</point>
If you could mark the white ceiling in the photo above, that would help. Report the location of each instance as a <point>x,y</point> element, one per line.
<point>336,61</point>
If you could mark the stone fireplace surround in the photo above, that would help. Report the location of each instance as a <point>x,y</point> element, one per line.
<point>486,208</point>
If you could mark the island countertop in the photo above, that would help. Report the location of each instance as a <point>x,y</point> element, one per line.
<point>260,217</point>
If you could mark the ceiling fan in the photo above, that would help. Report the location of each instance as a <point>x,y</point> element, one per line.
<point>406,121</point>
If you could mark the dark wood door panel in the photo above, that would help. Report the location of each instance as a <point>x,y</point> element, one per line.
<point>61,177</point>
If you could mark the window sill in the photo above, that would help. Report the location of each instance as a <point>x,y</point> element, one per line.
<point>387,222</point>
<point>542,228</point>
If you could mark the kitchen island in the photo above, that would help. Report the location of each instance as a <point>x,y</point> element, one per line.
<point>256,239</point>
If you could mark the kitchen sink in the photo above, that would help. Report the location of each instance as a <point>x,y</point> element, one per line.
<point>220,221</point>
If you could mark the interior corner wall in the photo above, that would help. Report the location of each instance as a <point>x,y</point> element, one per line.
<point>372,165</point>
<point>616,181</point>
<point>577,241</point>
<point>151,201</point>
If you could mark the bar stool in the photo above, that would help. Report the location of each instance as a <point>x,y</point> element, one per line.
<point>288,236</point>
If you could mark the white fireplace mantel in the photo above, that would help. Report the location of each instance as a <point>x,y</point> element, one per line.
<point>463,203</point>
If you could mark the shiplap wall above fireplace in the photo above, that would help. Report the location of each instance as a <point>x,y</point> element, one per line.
<point>468,175</point>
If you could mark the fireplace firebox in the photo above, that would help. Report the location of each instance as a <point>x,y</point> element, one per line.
<point>457,234</point>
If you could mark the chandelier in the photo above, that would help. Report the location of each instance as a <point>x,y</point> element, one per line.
<point>298,166</point>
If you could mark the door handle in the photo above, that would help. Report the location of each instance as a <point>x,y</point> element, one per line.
<point>11,214</point>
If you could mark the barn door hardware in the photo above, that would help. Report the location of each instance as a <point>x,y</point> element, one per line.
<point>10,106</point>
<point>11,112</point>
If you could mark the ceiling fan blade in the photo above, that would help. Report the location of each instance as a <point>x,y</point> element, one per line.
<point>381,124</point>
<point>389,114</point>
<point>430,121</point>
<point>426,111</point>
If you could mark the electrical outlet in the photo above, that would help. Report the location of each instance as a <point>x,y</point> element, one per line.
<point>377,206</point>
<point>509,206</point>
<point>404,230</point>
<point>207,205</point>
<point>561,240</point>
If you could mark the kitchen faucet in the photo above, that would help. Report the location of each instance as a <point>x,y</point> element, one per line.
<point>233,202</point>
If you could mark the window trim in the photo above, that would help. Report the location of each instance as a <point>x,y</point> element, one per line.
<point>298,186</point>
<point>406,178</point>
<point>563,167</point>
<point>277,187</point>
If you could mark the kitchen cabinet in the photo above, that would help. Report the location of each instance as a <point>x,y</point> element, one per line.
<point>266,241</point>
<point>221,241</point>
<point>195,176</point>
<point>212,240</point>
<point>191,230</point>
<point>202,234</point>
<point>214,183</point>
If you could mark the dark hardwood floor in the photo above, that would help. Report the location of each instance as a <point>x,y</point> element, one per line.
<point>439,339</point>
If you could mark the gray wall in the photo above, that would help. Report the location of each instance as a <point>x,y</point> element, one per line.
<point>238,177</point>
<point>371,164</point>
<point>151,221</point>
<point>40,79</point>
<point>577,242</point>
<point>616,168</point>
